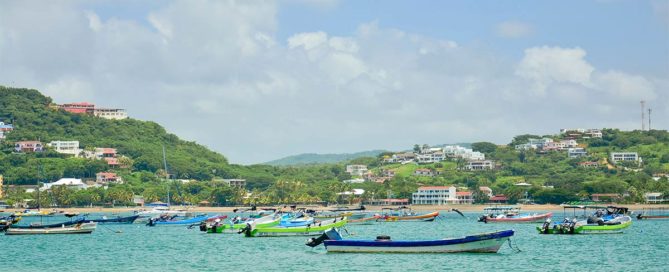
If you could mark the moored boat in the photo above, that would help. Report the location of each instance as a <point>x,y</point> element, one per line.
<point>238,223</point>
<point>116,220</point>
<point>609,219</point>
<point>404,214</point>
<point>479,243</point>
<point>511,215</point>
<point>653,213</point>
<point>310,230</point>
<point>170,221</point>
<point>78,228</point>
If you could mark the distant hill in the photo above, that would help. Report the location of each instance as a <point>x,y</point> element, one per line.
<point>312,158</point>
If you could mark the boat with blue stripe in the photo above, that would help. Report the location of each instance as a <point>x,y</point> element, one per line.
<point>479,243</point>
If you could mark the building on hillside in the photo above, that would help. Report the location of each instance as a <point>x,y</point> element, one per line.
<point>430,157</point>
<point>28,146</point>
<point>113,114</point>
<point>486,191</point>
<point>356,169</point>
<point>576,152</point>
<point>387,202</point>
<point>581,133</point>
<point>499,199</point>
<point>456,151</point>
<point>78,107</point>
<point>440,195</point>
<point>480,165</point>
<point>107,177</point>
<point>401,158</point>
<point>4,128</point>
<point>66,147</point>
<point>72,183</point>
<point>625,156</point>
<point>380,179</point>
<point>239,183</point>
<point>355,180</point>
<point>654,198</point>
<point>534,144</point>
<point>606,197</point>
<point>388,173</point>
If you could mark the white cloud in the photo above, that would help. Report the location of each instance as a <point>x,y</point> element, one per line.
<point>213,71</point>
<point>513,29</point>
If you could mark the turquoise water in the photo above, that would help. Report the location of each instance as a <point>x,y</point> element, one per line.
<point>643,247</point>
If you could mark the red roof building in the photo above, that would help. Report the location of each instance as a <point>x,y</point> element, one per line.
<point>499,199</point>
<point>81,107</point>
<point>107,177</point>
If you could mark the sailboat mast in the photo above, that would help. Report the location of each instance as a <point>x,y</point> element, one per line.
<point>168,176</point>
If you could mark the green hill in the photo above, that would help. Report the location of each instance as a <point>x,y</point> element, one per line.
<point>141,141</point>
<point>313,158</point>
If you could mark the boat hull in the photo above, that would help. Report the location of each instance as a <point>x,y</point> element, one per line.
<point>296,231</point>
<point>190,221</point>
<point>423,217</point>
<point>526,219</point>
<point>591,229</point>
<point>118,220</point>
<point>482,243</point>
<point>85,228</point>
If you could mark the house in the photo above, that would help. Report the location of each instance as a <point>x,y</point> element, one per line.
<point>239,183</point>
<point>6,127</point>
<point>534,144</point>
<point>486,191</point>
<point>80,107</point>
<point>440,195</point>
<point>653,198</point>
<point>456,151</point>
<point>424,172</point>
<point>355,180</point>
<point>464,198</point>
<point>113,114</point>
<point>66,147</point>
<point>28,146</point>
<point>73,183</point>
<point>625,156</point>
<point>580,132</point>
<point>606,197</point>
<point>480,165</point>
<point>107,177</point>
<point>499,199</point>
<point>431,157</point>
<point>388,173</point>
<point>401,158</point>
<point>356,169</point>
<point>138,200</point>
<point>387,202</point>
<point>576,152</point>
<point>589,164</point>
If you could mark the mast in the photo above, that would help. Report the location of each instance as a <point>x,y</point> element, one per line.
<point>168,176</point>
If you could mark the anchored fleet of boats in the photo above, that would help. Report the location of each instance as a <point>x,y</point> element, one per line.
<point>325,226</point>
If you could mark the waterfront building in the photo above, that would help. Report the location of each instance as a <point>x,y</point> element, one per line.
<point>440,195</point>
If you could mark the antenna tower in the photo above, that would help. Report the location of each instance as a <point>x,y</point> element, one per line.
<point>643,118</point>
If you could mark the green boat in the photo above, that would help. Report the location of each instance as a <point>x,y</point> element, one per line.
<point>317,228</point>
<point>609,219</point>
<point>263,222</point>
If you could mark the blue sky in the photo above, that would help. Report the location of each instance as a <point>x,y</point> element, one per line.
<point>259,80</point>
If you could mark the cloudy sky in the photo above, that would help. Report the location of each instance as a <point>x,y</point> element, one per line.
<point>259,80</point>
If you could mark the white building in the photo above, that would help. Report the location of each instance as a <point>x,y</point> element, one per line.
<point>66,147</point>
<point>456,151</point>
<point>356,169</point>
<point>239,183</point>
<point>653,198</point>
<point>69,182</point>
<point>431,157</point>
<point>534,144</point>
<point>576,152</point>
<point>440,195</point>
<point>356,180</point>
<point>480,165</point>
<point>625,156</point>
<point>114,114</point>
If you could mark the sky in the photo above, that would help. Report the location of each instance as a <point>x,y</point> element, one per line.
<point>260,80</point>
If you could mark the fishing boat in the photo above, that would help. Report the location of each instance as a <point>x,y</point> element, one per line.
<point>166,220</point>
<point>404,214</point>
<point>238,223</point>
<point>295,220</point>
<point>653,213</point>
<point>511,215</point>
<point>310,230</point>
<point>63,228</point>
<point>161,210</point>
<point>38,212</point>
<point>367,220</point>
<point>116,220</point>
<point>7,221</point>
<point>478,243</point>
<point>609,219</point>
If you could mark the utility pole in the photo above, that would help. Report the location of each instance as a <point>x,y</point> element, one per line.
<point>643,119</point>
<point>649,111</point>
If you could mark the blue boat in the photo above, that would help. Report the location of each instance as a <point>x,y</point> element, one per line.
<point>190,221</point>
<point>297,220</point>
<point>117,220</point>
<point>479,243</point>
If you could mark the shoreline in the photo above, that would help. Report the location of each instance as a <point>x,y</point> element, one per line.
<point>463,208</point>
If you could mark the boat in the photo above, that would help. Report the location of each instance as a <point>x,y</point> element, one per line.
<point>63,228</point>
<point>31,212</point>
<point>116,220</point>
<point>367,220</point>
<point>653,213</point>
<point>295,220</point>
<point>7,221</point>
<point>478,243</point>
<point>310,230</point>
<point>167,220</point>
<point>161,210</point>
<point>511,215</point>
<point>238,223</point>
<point>609,219</point>
<point>404,214</point>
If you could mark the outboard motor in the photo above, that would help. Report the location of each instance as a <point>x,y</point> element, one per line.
<point>545,226</point>
<point>152,222</point>
<point>483,218</point>
<point>246,230</point>
<point>639,216</point>
<point>203,227</point>
<point>312,242</point>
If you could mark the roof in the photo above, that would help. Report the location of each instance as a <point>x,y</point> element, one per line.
<point>463,193</point>
<point>111,161</point>
<point>28,142</point>
<point>395,199</point>
<point>434,188</point>
<point>485,188</point>
<point>107,174</point>
<point>616,195</point>
<point>499,198</point>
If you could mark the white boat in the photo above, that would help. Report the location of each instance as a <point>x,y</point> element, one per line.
<point>161,210</point>
<point>80,228</point>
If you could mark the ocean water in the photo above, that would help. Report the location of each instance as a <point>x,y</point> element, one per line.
<point>643,247</point>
